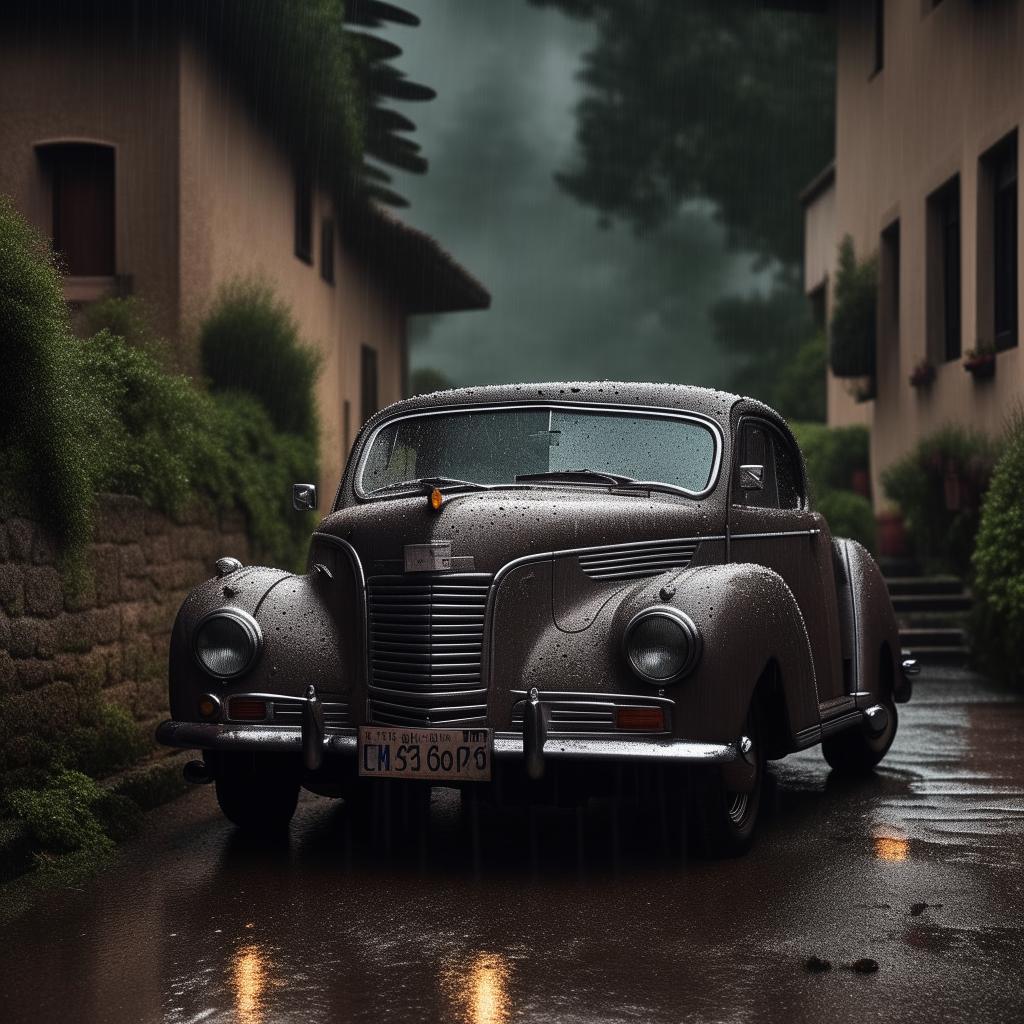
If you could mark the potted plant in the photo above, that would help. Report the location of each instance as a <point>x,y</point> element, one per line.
<point>861,389</point>
<point>980,361</point>
<point>922,375</point>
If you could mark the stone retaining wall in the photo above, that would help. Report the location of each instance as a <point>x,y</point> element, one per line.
<point>64,650</point>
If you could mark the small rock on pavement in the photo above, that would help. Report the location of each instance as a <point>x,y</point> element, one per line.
<point>865,965</point>
<point>815,965</point>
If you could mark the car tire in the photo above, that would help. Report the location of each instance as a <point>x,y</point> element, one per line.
<point>722,820</point>
<point>257,794</point>
<point>855,751</point>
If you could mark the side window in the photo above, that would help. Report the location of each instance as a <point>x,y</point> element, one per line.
<point>787,473</point>
<point>755,448</point>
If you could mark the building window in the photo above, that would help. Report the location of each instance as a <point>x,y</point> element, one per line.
<point>818,299</point>
<point>303,215</point>
<point>82,181</point>
<point>1004,251</point>
<point>889,288</point>
<point>369,384</point>
<point>997,245</point>
<point>943,272</point>
<point>327,250</point>
<point>879,31</point>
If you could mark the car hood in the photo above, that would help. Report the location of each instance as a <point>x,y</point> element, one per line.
<point>495,527</point>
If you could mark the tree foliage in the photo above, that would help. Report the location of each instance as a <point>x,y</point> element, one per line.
<point>778,356</point>
<point>700,99</point>
<point>854,325</point>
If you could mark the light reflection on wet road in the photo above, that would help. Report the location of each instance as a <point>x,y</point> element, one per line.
<point>918,868</point>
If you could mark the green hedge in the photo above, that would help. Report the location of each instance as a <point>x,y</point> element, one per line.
<point>832,456</point>
<point>45,454</point>
<point>939,487</point>
<point>84,417</point>
<point>249,342</point>
<point>998,564</point>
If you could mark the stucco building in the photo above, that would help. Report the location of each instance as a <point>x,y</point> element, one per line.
<point>930,102</point>
<point>153,176</point>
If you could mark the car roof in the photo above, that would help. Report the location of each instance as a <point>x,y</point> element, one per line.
<point>686,397</point>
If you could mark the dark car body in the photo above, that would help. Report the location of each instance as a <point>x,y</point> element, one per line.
<point>508,609</point>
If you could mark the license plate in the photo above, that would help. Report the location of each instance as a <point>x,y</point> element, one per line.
<point>436,755</point>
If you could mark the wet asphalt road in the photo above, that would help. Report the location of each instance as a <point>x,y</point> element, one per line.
<point>918,868</point>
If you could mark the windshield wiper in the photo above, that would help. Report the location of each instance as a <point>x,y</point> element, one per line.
<point>430,482</point>
<point>583,476</point>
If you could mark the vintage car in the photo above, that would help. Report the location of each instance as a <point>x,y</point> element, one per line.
<point>518,586</point>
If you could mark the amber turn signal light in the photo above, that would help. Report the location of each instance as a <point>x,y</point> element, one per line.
<point>247,709</point>
<point>436,500</point>
<point>640,719</point>
<point>208,706</point>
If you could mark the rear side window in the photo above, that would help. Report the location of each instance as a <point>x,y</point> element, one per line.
<point>762,445</point>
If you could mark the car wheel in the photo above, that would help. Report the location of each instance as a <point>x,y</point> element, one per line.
<point>257,794</point>
<point>855,751</point>
<point>726,802</point>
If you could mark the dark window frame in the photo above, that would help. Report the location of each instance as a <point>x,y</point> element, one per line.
<point>304,215</point>
<point>1005,247</point>
<point>369,381</point>
<point>944,283</point>
<point>878,56</point>
<point>83,205</point>
<point>327,249</point>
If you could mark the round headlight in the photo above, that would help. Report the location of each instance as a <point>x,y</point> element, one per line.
<point>662,645</point>
<point>227,642</point>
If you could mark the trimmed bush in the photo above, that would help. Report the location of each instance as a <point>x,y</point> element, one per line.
<point>998,563</point>
<point>800,385</point>
<point>832,455</point>
<point>60,815</point>
<point>854,317</point>
<point>850,515</point>
<point>940,487</point>
<point>129,319</point>
<point>249,342</point>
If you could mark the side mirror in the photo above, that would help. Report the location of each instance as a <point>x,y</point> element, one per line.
<point>751,478</point>
<point>304,497</point>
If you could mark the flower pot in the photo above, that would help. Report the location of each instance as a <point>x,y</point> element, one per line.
<point>981,367</point>
<point>922,376</point>
<point>892,535</point>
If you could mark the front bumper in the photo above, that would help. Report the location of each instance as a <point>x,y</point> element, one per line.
<point>283,738</point>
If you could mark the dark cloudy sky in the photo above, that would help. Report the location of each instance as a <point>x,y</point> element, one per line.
<point>570,300</point>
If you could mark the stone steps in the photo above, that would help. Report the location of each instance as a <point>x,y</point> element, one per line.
<point>932,612</point>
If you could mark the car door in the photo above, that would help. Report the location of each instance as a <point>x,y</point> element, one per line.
<point>773,525</point>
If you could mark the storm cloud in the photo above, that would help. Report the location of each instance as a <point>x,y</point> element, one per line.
<point>571,299</point>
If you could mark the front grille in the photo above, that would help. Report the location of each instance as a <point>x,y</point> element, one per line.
<point>635,560</point>
<point>425,643</point>
<point>288,710</point>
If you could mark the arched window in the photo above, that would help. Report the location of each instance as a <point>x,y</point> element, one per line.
<point>81,176</point>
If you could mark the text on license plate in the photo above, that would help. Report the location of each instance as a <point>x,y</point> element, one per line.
<point>396,752</point>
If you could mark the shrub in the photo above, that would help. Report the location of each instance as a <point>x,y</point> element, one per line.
<point>800,385</point>
<point>998,562</point>
<point>849,515</point>
<point>853,329</point>
<point>250,342</point>
<point>43,450</point>
<point>832,455</point>
<point>60,816</point>
<point>939,487</point>
<point>131,320</point>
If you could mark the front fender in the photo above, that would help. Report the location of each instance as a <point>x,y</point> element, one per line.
<point>747,616</point>
<point>301,642</point>
<point>749,620</point>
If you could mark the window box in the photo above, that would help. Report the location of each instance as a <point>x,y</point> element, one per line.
<point>980,364</point>
<point>922,375</point>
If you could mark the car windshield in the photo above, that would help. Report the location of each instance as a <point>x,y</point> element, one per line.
<point>495,446</point>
